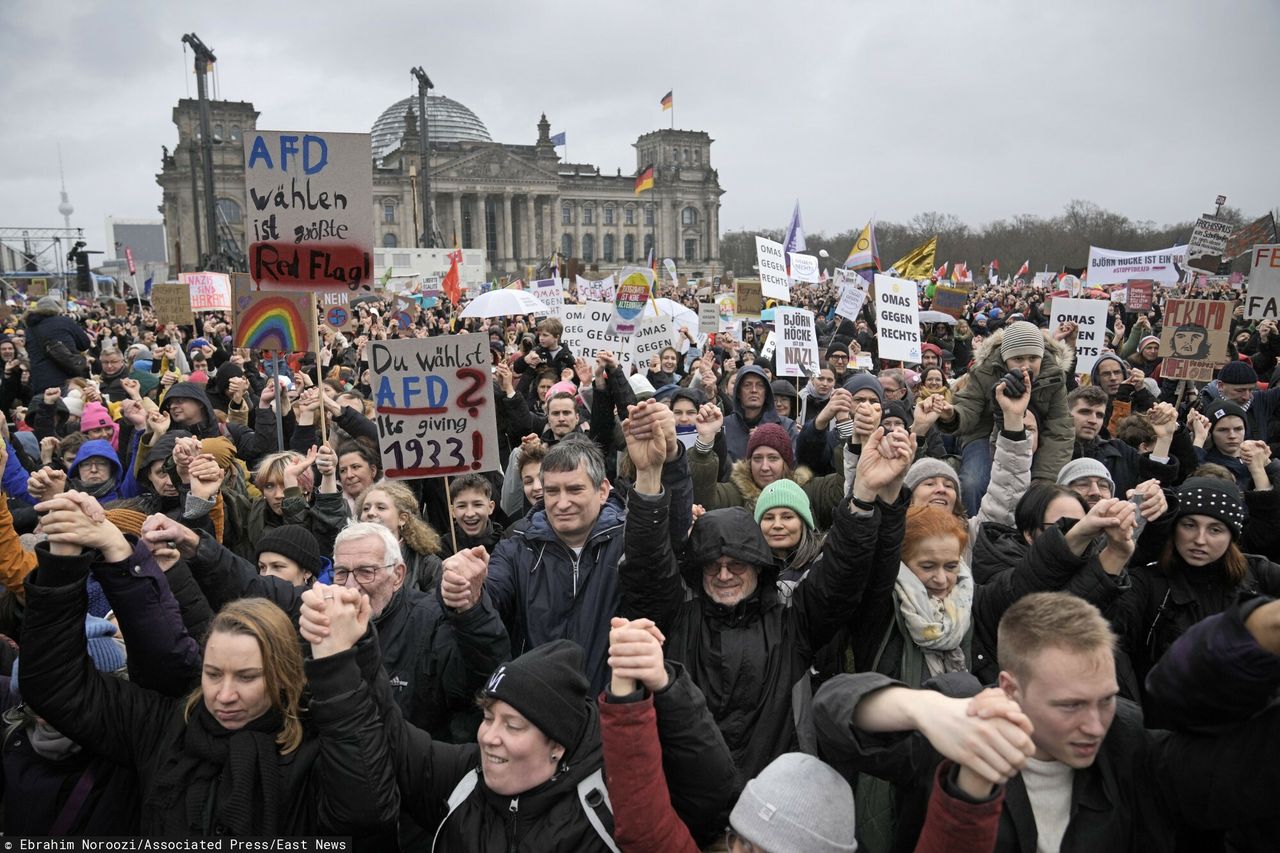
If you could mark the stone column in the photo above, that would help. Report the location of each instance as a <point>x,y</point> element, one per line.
<point>482,230</point>
<point>457,217</point>
<point>508,248</point>
<point>529,245</point>
<point>713,214</point>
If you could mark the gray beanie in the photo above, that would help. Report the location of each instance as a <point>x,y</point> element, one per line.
<point>1078,469</point>
<point>928,468</point>
<point>859,381</point>
<point>49,305</point>
<point>1021,338</point>
<point>797,804</point>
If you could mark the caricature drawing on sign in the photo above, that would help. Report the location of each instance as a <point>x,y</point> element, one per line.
<point>1191,340</point>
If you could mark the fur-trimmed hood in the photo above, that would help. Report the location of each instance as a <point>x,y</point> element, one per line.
<point>740,476</point>
<point>989,351</point>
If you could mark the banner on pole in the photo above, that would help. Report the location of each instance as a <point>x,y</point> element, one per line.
<point>634,288</point>
<point>433,402</point>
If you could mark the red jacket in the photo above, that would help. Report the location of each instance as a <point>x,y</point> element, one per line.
<point>955,825</point>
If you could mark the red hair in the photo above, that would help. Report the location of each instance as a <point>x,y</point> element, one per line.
<point>927,521</point>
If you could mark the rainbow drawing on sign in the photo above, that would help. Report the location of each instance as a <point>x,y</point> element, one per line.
<point>275,322</point>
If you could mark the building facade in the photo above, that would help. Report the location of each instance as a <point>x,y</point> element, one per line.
<point>517,203</point>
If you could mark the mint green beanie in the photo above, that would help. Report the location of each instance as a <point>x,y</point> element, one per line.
<point>786,494</point>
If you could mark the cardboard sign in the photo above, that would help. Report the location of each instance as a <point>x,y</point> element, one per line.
<point>172,303</point>
<point>335,308</point>
<point>1194,338</point>
<point>270,320</point>
<point>604,290</point>
<point>1208,242</point>
<point>1108,266</point>
<point>550,293</point>
<point>803,267</point>
<point>772,264</point>
<point>1090,316</point>
<point>797,348</point>
<point>634,288</point>
<point>38,287</point>
<point>433,402</point>
<point>308,197</point>
<point>708,318</point>
<point>950,300</point>
<point>1263,300</point>
<point>1139,295</point>
<point>749,298</point>
<point>897,319</point>
<point>120,309</point>
<point>210,291</point>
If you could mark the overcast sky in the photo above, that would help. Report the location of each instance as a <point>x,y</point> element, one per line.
<point>981,108</point>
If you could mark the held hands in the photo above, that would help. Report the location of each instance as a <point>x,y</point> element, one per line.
<point>1163,418</point>
<point>74,521</point>
<point>462,580</point>
<point>326,461</point>
<point>296,468</point>
<point>157,424</point>
<point>206,476</point>
<point>502,372</point>
<point>132,388</point>
<point>650,434</point>
<point>333,618</point>
<point>883,464</point>
<point>635,655</point>
<point>866,419</point>
<point>46,483</point>
<point>1112,516</point>
<point>1199,427</point>
<point>1255,454</point>
<point>1153,501</point>
<point>161,531</point>
<point>987,735</point>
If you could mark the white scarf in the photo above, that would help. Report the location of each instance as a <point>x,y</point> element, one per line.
<point>937,625</point>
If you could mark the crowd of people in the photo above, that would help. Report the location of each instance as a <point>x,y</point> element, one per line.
<point>983,602</point>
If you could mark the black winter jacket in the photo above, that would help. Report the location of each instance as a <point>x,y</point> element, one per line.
<point>44,328</point>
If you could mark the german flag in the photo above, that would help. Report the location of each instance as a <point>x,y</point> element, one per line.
<point>667,101</point>
<point>644,180</point>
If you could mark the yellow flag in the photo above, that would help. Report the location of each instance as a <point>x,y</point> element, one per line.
<point>918,263</point>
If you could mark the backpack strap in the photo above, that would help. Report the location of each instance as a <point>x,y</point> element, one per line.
<point>594,796</point>
<point>75,803</point>
<point>457,796</point>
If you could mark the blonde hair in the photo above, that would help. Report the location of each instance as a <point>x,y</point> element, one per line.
<point>272,467</point>
<point>281,661</point>
<point>415,532</point>
<point>1045,620</point>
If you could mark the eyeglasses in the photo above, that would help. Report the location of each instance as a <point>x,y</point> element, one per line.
<point>735,567</point>
<point>364,574</point>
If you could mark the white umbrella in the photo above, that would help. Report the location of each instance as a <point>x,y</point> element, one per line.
<point>504,303</point>
<point>937,317</point>
<point>679,314</point>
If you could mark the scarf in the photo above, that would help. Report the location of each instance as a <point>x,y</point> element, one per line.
<point>49,744</point>
<point>937,625</point>
<point>238,769</point>
<point>105,488</point>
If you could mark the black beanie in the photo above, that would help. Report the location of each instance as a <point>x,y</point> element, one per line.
<point>1220,409</point>
<point>1214,497</point>
<point>547,686</point>
<point>293,541</point>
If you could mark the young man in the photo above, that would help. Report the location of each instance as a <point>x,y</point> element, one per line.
<point>1127,466</point>
<point>1097,780</point>
<point>471,503</point>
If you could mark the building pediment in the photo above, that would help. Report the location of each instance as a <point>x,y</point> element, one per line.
<point>492,166</point>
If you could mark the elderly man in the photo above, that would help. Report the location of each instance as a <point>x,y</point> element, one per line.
<point>719,606</point>
<point>437,649</point>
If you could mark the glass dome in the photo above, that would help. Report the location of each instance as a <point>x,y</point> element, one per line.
<point>449,121</point>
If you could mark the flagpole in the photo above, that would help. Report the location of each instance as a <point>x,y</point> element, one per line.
<point>673,109</point>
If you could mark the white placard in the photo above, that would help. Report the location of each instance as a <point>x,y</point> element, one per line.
<point>797,342</point>
<point>433,402</point>
<point>897,319</point>
<point>1109,266</point>
<point>771,261</point>
<point>604,290</point>
<point>708,318</point>
<point>852,297</point>
<point>803,267</point>
<point>550,293</point>
<point>1264,283</point>
<point>651,337</point>
<point>1091,316</point>
<point>769,345</point>
<point>1209,237</point>
<point>210,291</point>
<point>586,332</point>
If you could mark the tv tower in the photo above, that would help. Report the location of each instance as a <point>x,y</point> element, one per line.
<point>64,207</point>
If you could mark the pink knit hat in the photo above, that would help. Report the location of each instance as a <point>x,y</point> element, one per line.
<point>95,415</point>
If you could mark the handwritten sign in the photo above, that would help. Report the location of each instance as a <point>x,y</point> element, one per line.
<point>1090,317</point>
<point>853,294</point>
<point>172,303</point>
<point>1208,242</point>
<point>271,320</point>
<point>1194,338</point>
<point>1263,299</point>
<point>550,293</point>
<point>950,300</point>
<point>433,402</point>
<point>749,298</point>
<point>772,264</point>
<point>797,348</point>
<point>210,291</point>
<point>308,197</point>
<point>38,287</point>
<point>604,290</point>
<point>897,319</point>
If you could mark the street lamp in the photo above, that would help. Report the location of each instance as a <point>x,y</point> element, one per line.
<point>424,87</point>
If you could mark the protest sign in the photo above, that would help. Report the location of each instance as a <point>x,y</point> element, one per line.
<point>433,403</point>
<point>335,308</point>
<point>771,261</point>
<point>797,349</point>
<point>1263,299</point>
<point>708,318</point>
<point>586,332</point>
<point>670,267</point>
<point>603,290</point>
<point>1194,338</point>
<point>769,345</point>
<point>863,361</point>
<point>1090,317</point>
<point>1139,295</point>
<point>210,291</point>
<point>308,196</point>
<point>749,301</point>
<point>950,300</point>
<point>172,303</point>
<point>38,287</point>
<point>1208,242</point>
<point>651,337</point>
<point>634,287</point>
<point>1108,266</point>
<point>1261,230</point>
<point>897,318</point>
<point>1045,279</point>
<point>803,267</point>
<point>549,292</point>
<point>852,297</point>
<point>276,321</point>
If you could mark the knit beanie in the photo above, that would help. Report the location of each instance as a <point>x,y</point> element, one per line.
<point>774,436</point>
<point>1078,469</point>
<point>1224,409</point>
<point>1021,338</point>
<point>797,803</point>
<point>837,345</point>
<point>49,305</point>
<point>293,541</point>
<point>1216,498</point>
<point>127,520</point>
<point>898,409</point>
<point>928,468</point>
<point>1149,339</point>
<point>785,494</point>
<point>1237,373</point>
<point>93,416</point>
<point>547,686</point>
<point>108,655</point>
<point>859,381</point>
